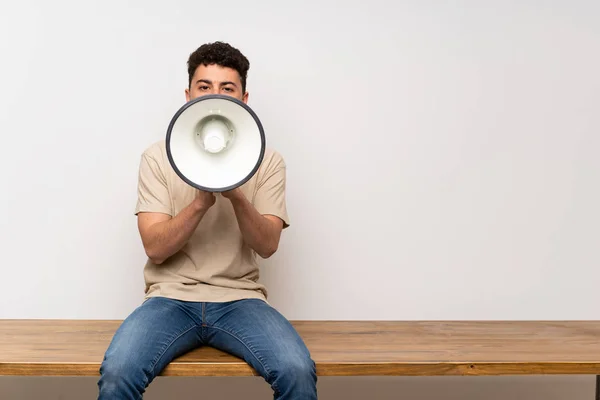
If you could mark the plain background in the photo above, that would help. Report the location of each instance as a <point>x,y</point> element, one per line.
<point>442,164</point>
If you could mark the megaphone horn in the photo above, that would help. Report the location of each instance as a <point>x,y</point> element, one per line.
<point>215,143</point>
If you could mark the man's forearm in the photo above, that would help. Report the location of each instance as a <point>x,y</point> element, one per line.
<point>260,233</point>
<point>168,237</point>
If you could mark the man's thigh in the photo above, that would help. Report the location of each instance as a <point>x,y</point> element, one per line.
<point>256,332</point>
<point>152,335</point>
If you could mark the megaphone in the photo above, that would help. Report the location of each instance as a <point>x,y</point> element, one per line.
<point>215,143</point>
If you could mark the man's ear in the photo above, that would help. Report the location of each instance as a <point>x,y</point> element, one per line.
<point>245,97</point>
<point>187,94</point>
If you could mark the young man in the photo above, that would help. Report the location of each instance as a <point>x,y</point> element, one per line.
<point>202,269</point>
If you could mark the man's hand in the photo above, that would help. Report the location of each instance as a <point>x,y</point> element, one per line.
<point>233,194</point>
<point>204,200</point>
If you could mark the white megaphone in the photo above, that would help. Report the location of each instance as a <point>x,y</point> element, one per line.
<point>215,143</point>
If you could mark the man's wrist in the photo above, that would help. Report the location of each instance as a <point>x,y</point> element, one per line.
<point>237,200</point>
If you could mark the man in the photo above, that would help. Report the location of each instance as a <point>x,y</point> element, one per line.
<point>202,269</point>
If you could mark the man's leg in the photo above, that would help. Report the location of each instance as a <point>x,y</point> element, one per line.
<point>260,335</point>
<point>154,334</point>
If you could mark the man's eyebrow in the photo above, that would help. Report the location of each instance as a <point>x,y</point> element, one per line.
<point>209,82</point>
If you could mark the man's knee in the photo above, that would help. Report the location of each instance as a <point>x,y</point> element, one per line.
<point>298,366</point>
<point>121,377</point>
<point>295,373</point>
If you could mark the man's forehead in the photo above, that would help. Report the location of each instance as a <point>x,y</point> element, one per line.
<point>215,72</point>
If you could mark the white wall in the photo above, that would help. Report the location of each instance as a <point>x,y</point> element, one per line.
<point>441,155</point>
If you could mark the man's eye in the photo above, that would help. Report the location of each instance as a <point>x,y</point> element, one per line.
<point>228,89</point>
<point>203,87</point>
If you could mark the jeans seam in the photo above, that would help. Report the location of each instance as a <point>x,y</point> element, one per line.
<point>252,351</point>
<point>162,353</point>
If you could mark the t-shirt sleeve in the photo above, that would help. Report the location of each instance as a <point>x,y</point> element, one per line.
<point>270,193</point>
<point>153,193</point>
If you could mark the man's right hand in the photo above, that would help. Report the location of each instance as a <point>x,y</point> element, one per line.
<point>204,200</point>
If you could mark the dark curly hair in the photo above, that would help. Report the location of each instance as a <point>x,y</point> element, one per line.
<point>222,54</point>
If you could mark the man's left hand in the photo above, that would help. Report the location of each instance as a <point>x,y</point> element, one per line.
<point>233,194</point>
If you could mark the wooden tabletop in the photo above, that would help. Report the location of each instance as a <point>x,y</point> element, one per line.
<point>76,347</point>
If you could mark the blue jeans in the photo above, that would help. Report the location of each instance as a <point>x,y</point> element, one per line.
<point>162,329</point>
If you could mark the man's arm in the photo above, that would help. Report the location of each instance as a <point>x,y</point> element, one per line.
<point>260,232</point>
<point>163,235</point>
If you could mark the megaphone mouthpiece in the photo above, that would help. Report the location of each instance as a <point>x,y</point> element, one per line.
<point>214,133</point>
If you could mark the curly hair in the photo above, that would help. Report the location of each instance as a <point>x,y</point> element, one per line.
<point>222,54</point>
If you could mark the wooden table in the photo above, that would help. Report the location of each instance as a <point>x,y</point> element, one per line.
<point>339,348</point>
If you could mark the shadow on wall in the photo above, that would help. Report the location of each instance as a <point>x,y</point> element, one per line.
<point>347,388</point>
